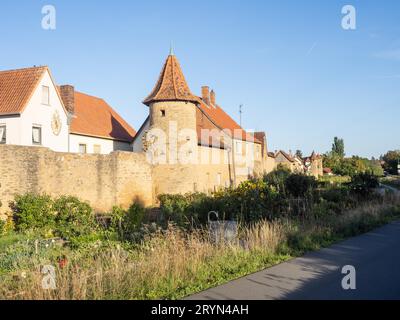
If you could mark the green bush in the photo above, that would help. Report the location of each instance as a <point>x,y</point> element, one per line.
<point>127,222</point>
<point>250,201</point>
<point>277,178</point>
<point>334,194</point>
<point>363,184</point>
<point>66,217</point>
<point>133,218</point>
<point>33,212</point>
<point>300,185</point>
<point>175,207</point>
<point>74,218</point>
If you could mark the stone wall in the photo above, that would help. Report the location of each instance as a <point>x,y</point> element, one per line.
<point>103,180</point>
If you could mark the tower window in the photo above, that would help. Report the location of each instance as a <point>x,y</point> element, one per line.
<point>162,113</point>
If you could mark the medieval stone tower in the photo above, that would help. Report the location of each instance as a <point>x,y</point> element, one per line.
<point>173,112</point>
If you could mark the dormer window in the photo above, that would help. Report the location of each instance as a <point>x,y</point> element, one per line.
<point>45,95</point>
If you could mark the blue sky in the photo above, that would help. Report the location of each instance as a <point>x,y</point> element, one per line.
<point>301,77</point>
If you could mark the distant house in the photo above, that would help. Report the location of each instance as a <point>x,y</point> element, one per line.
<point>287,160</point>
<point>35,112</point>
<point>311,165</point>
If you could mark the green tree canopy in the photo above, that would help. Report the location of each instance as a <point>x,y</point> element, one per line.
<point>391,159</point>
<point>338,147</point>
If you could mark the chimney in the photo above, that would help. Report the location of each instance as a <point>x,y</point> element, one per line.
<point>212,98</point>
<point>67,93</point>
<point>205,94</point>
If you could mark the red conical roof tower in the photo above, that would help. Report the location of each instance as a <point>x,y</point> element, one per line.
<point>171,85</point>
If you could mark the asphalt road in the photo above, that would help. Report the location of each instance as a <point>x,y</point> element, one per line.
<point>317,275</point>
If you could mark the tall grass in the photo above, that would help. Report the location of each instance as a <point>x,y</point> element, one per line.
<point>167,264</point>
<point>172,264</point>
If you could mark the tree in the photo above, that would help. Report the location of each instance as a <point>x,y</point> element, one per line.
<point>338,147</point>
<point>299,153</point>
<point>391,159</point>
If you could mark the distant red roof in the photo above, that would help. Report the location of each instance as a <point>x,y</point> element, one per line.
<point>94,117</point>
<point>327,170</point>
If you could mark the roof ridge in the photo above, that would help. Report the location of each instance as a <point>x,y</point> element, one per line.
<point>24,69</point>
<point>89,95</point>
<point>173,78</point>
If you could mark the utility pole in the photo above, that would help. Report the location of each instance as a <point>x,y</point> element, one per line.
<point>240,113</point>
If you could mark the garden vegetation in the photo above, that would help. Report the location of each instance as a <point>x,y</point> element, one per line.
<point>130,254</point>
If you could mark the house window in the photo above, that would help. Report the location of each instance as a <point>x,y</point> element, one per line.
<point>36,135</point>
<point>3,134</point>
<point>82,148</point>
<point>97,148</point>
<point>163,113</point>
<point>45,95</point>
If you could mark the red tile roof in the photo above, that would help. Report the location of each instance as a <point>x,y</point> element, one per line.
<point>223,121</point>
<point>213,139</point>
<point>327,170</point>
<point>17,87</point>
<point>171,84</point>
<point>94,117</point>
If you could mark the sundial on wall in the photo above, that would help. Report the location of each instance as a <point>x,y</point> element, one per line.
<point>56,123</point>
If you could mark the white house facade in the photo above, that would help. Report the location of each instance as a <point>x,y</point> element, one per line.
<point>35,112</point>
<point>31,111</point>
